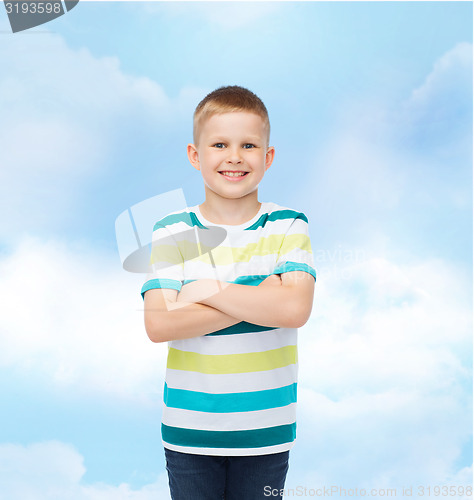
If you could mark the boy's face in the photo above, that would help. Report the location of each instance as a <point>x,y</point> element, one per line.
<point>232,154</point>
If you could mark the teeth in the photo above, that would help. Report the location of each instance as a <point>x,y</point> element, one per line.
<point>234,174</point>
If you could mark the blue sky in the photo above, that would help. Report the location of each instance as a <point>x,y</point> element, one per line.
<point>371,112</point>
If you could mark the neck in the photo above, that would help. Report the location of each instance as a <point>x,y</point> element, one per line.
<point>228,211</point>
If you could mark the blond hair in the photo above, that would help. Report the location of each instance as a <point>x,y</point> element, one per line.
<point>227,100</point>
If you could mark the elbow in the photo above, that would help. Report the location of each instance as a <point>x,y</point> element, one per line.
<point>297,316</point>
<point>156,339</point>
<point>294,322</point>
<point>155,336</point>
<point>302,321</point>
<point>156,331</point>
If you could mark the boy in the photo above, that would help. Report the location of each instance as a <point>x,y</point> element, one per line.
<point>230,313</point>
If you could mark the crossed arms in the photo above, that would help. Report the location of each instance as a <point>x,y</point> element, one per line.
<point>205,306</point>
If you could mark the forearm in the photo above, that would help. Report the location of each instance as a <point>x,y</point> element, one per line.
<point>266,306</point>
<point>187,321</point>
<point>262,305</point>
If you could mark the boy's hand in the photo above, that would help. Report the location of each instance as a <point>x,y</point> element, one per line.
<point>273,280</point>
<point>198,290</point>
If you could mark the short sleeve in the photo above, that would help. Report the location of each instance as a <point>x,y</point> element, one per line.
<point>295,253</point>
<point>167,262</point>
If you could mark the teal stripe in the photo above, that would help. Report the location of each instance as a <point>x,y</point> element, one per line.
<point>252,280</point>
<point>191,219</point>
<point>277,215</point>
<point>230,402</point>
<point>294,266</point>
<point>188,218</point>
<point>242,327</point>
<point>253,438</point>
<point>160,283</point>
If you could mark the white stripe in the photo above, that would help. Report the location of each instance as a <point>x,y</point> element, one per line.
<point>232,382</point>
<point>174,272</point>
<point>169,229</point>
<point>246,420</point>
<point>298,226</point>
<point>231,452</point>
<point>259,265</point>
<point>296,255</point>
<point>238,343</point>
<point>242,238</point>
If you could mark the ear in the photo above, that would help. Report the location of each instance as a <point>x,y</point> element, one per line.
<point>193,156</point>
<point>269,156</point>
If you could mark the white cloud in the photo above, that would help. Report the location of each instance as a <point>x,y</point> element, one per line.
<point>447,88</point>
<point>384,384</point>
<point>385,376</point>
<point>75,317</point>
<point>387,160</point>
<point>388,439</point>
<point>53,470</point>
<point>404,321</point>
<point>71,93</point>
<point>437,117</point>
<point>463,477</point>
<point>39,466</point>
<point>65,113</point>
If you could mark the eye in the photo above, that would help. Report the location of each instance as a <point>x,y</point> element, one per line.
<point>249,146</point>
<point>219,145</point>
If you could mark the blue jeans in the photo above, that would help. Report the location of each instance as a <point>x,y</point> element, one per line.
<point>206,477</point>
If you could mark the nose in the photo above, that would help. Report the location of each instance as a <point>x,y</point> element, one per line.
<point>234,156</point>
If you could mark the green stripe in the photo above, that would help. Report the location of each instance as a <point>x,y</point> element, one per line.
<point>170,253</point>
<point>232,363</point>
<point>230,402</point>
<point>253,438</point>
<point>298,241</point>
<point>277,215</point>
<point>273,244</point>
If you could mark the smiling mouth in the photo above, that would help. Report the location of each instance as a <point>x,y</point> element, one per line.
<point>233,174</point>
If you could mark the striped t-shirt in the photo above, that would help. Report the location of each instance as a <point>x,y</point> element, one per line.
<point>232,391</point>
